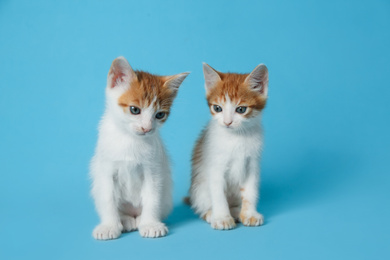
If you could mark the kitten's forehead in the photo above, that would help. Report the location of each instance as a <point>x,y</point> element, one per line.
<point>148,90</point>
<point>233,89</point>
<point>226,99</point>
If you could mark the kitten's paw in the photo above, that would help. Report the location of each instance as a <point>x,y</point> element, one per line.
<point>252,220</point>
<point>223,223</point>
<point>107,231</point>
<point>153,230</point>
<point>129,223</point>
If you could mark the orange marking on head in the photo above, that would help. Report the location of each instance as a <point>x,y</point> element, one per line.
<point>234,86</point>
<point>145,89</point>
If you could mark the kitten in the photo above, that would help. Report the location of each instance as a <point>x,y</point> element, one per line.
<point>225,161</point>
<point>131,179</point>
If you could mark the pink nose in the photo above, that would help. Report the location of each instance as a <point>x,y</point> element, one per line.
<point>146,130</point>
<point>228,123</point>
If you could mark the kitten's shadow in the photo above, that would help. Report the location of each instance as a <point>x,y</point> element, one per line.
<point>318,178</point>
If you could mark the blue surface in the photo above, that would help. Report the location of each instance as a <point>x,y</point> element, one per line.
<point>325,171</point>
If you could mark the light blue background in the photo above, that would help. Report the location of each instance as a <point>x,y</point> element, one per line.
<point>325,170</point>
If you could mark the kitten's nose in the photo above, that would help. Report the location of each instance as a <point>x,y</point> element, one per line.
<point>146,130</point>
<point>228,123</point>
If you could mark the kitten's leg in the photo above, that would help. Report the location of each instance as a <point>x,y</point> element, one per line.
<point>150,224</point>
<point>166,196</point>
<point>235,212</point>
<point>129,223</point>
<point>128,215</point>
<point>249,194</point>
<point>221,218</point>
<point>110,226</point>
<point>234,200</point>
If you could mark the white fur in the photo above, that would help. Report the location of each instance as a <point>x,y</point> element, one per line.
<point>230,162</point>
<point>229,169</point>
<point>131,178</point>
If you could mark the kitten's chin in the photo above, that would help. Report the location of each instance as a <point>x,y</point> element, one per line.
<point>232,129</point>
<point>142,134</point>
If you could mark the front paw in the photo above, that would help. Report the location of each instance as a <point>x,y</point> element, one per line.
<point>252,219</point>
<point>107,231</point>
<point>223,223</point>
<point>153,230</point>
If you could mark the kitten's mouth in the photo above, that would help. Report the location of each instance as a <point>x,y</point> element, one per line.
<point>145,134</point>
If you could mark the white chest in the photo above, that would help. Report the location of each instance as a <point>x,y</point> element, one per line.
<point>118,146</point>
<point>128,182</point>
<point>232,145</point>
<point>233,152</point>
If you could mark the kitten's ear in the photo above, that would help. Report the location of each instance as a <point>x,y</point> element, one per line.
<point>211,76</point>
<point>258,79</point>
<point>120,72</point>
<point>174,82</point>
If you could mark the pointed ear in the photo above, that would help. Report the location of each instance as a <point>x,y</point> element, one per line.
<point>120,72</point>
<point>211,76</point>
<point>257,80</point>
<point>174,82</point>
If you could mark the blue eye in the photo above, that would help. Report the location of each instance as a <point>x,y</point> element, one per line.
<point>135,110</point>
<point>241,110</point>
<point>160,115</point>
<point>217,108</point>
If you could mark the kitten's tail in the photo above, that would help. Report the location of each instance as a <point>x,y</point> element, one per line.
<point>187,200</point>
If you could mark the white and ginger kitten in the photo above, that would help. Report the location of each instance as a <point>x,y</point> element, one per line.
<point>225,161</point>
<point>131,178</point>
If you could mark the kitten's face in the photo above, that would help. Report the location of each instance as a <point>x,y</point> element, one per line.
<point>235,100</point>
<point>141,102</point>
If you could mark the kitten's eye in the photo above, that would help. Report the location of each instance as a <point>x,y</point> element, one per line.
<point>241,110</point>
<point>160,115</point>
<point>217,108</point>
<point>135,110</point>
